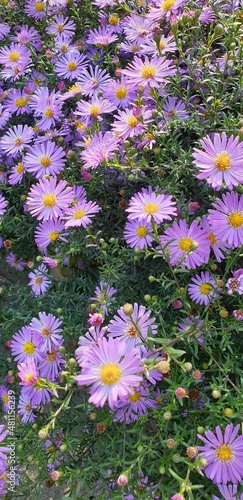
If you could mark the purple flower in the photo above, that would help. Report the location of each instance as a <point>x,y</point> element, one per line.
<point>149,205</point>
<point>25,409</point>
<point>3,204</point>
<point>175,109</point>
<point>194,329</point>
<point>39,282</point>
<point>3,449</point>
<point>227,219</point>
<point>25,344</point>
<point>235,284</point>
<point>47,106</point>
<point>166,8</point>
<point>215,243</point>
<point>16,139</point>
<point>44,159</point>
<point>103,296</point>
<point>100,148</point>
<point>238,314</point>
<point>119,93</point>
<point>188,246</point>
<point>4,397</point>
<point>48,232</point>
<point>224,455</point>
<point>203,289</point>
<point>228,492</point>
<point>49,198</point>
<point>14,262</point>
<point>51,365</point>
<point>111,372</point>
<point>129,409</point>
<point>132,329</point>
<point>88,341</point>
<point>101,37</point>
<point>81,214</point>
<point>138,233</point>
<point>150,72</point>
<point>71,65</point>
<point>128,125</point>
<point>220,161</point>
<point>93,81</point>
<point>48,327</point>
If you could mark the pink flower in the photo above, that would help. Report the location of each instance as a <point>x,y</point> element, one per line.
<point>95,319</point>
<point>180,392</point>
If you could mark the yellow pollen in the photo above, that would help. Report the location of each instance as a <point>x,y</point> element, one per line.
<point>131,331</point>
<point>18,141</point>
<point>162,44</point>
<point>205,288</point>
<point>114,19</point>
<point>132,121</point>
<point>75,88</point>
<point>39,7</point>
<point>101,296</point>
<point>79,124</point>
<point>49,200</point>
<point>72,66</point>
<point>135,397</point>
<point>5,398</point>
<point>141,231</point>
<point>53,236</point>
<point>212,238</point>
<point>38,81</point>
<point>45,161</point>
<point>29,348</point>
<point>52,449</point>
<point>167,4</point>
<point>224,453</point>
<point>185,244</point>
<point>151,208</point>
<point>121,92</point>
<point>135,48</point>
<point>51,356</point>
<point>235,219</point>
<point>20,168</point>
<point>94,110</point>
<point>28,408</point>
<point>223,161</point>
<point>4,476</point>
<point>38,280</point>
<point>30,377</point>
<point>39,383</point>
<point>48,113</point>
<point>110,374</point>
<point>60,28</point>
<point>63,48</point>
<point>14,56</point>
<point>79,214</point>
<point>20,103</point>
<point>45,332</point>
<point>148,72</point>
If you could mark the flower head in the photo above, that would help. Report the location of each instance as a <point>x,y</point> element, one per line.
<point>148,205</point>
<point>203,291</point>
<point>227,219</point>
<point>49,198</point>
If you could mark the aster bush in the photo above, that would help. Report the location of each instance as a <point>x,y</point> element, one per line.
<point>121,231</point>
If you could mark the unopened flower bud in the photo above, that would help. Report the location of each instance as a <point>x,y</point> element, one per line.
<point>122,480</point>
<point>54,475</point>
<point>176,458</point>
<point>128,309</point>
<point>187,367</point>
<point>224,313</point>
<point>43,434</point>
<point>216,394</point>
<point>167,415</point>
<point>203,462</point>
<point>228,412</point>
<point>180,392</point>
<point>170,443</point>
<point>191,452</point>
<point>220,283</point>
<point>163,367</point>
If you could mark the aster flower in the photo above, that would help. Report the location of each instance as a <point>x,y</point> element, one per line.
<point>25,344</point>
<point>61,25</point>
<point>44,159</point>
<point>94,109</point>
<point>101,148</point>
<point>137,28</point>
<point>4,116</point>
<point>227,219</point>
<point>27,373</point>
<point>138,234</point>
<point>4,397</point>
<point>39,282</point>
<point>165,8</point>
<point>175,109</point>
<point>129,409</point>
<point>188,246</point>
<point>71,65</point>
<point>48,232</point>
<point>119,92</point>
<point>193,327</point>
<point>14,262</point>
<point>215,243</point>
<point>93,81</point>
<point>103,296</point>
<point>238,314</point>
<point>224,454</point>
<point>111,371</point>
<point>150,72</point>
<point>4,30</point>
<point>37,393</point>
<point>49,198</point>
<point>48,327</point>
<point>101,37</point>
<point>134,328</point>
<point>149,205</point>
<point>35,9</point>
<point>88,340</point>
<point>27,35</point>
<point>16,139</point>
<point>3,449</point>
<point>131,122</point>
<point>203,291</point>
<point>14,54</point>
<point>229,492</point>
<point>220,160</point>
<point>47,107</point>
<point>80,214</point>
<point>25,409</point>
<point>17,102</point>
<point>3,204</point>
<point>16,174</point>
<point>157,48</point>
<point>235,284</point>
<point>51,365</point>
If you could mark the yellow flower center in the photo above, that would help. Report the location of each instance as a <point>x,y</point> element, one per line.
<point>101,296</point>
<point>53,236</point>
<point>223,161</point>
<point>151,208</point>
<point>29,348</point>
<point>114,19</point>
<point>38,280</point>
<point>46,332</point>
<point>79,214</point>
<point>60,28</point>
<point>39,6</point>
<point>49,200</point>
<point>39,383</point>
<point>48,113</point>
<point>4,476</point>
<point>110,374</point>
<point>72,66</point>
<point>224,453</point>
<point>94,110</point>
<point>167,4</point>
<point>51,356</point>
<point>132,121</point>
<point>20,102</point>
<point>75,88</point>
<point>185,244</point>
<point>205,288</point>
<point>135,397</point>
<point>141,231</point>
<point>20,168</point>
<point>45,161</point>
<point>14,56</point>
<point>131,331</point>
<point>162,44</point>
<point>135,48</point>
<point>212,238</point>
<point>121,92</point>
<point>148,72</point>
<point>18,141</point>
<point>235,219</point>
<point>29,378</point>
<point>5,398</point>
